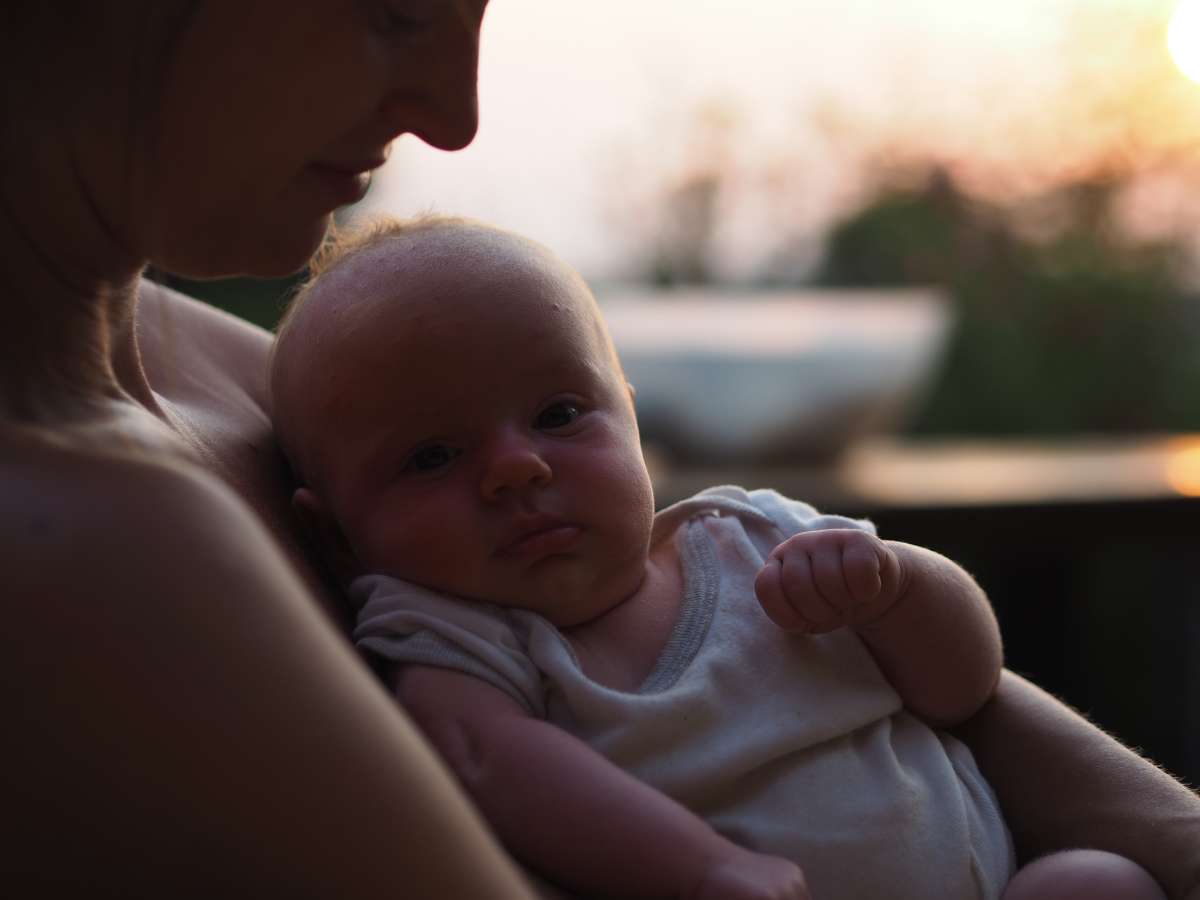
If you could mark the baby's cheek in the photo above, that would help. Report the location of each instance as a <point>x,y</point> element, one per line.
<point>414,544</point>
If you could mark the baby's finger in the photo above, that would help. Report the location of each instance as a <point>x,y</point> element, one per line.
<point>768,587</point>
<point>831,581</point>
<point>802,592</point>
<point>860,568</point>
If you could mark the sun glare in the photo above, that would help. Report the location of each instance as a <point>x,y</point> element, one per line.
<point>1183,38</point>
<point>1183,466</point>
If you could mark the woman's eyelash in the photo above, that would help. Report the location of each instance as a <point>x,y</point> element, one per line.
<point>394,18</point>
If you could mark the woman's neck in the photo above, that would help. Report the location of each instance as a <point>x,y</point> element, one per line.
<point>68,346</point>
<point>69,271</point>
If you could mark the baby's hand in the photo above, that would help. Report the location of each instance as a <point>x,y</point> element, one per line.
<point>818,581</point>
<point>745,875</point>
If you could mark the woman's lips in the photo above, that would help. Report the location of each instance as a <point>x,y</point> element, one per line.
<point>541,541</point>
<point>343,186</point>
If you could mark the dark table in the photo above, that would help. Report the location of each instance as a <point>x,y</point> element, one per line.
<point>1089,550</point>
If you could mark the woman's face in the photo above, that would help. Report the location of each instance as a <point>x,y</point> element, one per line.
<point>274,113</point>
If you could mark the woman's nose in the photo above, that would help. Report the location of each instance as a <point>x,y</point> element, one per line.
<point>513,466</point>
<point>449,125</point>
<point>435,93</point>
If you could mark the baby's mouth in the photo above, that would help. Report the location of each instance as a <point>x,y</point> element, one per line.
<point>539,537</point>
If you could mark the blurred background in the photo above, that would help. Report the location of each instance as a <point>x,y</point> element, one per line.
<point>936,262</point>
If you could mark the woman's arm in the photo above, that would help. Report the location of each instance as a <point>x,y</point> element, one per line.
<point>180,721</point>
<point>572,815</point>
<point>1064,783</point>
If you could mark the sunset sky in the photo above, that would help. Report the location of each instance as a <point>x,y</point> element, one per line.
<point>590,108</point>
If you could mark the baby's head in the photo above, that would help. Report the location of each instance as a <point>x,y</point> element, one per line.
<point>451,402</point>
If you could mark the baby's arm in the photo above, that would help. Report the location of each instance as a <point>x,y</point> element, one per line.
<point>927,623</point>
<point>572,815</point>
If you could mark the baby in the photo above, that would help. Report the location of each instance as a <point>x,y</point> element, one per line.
<point>734,698</point>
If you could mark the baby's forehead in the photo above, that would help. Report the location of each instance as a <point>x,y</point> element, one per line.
<point>440,272</point>
<point>446,294</point>
<point>445,297</point>
<point>432,263</point>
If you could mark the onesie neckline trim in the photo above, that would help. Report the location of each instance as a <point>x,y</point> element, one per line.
<point>701,583</point>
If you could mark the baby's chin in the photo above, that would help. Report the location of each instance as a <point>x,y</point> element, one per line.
<point>568,590</point>
<point>566,608</point>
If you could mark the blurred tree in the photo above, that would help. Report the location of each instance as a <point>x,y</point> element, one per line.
<point>1070,327</point>
<point>683,246</point>
<point>902,237</point>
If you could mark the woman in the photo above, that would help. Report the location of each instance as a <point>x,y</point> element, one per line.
<point>180,718</point>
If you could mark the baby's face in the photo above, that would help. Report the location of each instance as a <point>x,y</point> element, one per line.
<point>481,440</point>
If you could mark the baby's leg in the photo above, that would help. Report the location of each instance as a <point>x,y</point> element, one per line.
<point>1083,875</point>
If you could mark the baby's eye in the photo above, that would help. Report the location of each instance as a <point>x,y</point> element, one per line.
<point>430,458</point>
<point>557,415</point>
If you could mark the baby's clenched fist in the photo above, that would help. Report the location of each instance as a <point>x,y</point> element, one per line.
<point>819,581</point>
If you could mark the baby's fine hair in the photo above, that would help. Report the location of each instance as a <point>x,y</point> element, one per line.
<point>342,243</point>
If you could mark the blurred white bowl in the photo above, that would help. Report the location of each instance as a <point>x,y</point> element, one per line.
<point>724,376</point>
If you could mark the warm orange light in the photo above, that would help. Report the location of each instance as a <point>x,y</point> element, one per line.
<point>1183,38</point>
<point>1183,467</point>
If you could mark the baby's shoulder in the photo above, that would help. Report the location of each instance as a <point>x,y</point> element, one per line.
<point>760,509</point>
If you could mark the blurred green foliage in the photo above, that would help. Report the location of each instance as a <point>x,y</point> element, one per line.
<point>258,300</point>
<point>1065,324</point>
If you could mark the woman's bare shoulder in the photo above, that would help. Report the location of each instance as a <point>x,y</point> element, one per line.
<point>168,690</point>
<point>104,523</point>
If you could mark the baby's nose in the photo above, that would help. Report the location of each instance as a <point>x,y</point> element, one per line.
<point>514,465</point>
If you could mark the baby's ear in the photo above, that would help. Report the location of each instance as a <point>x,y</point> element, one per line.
<point>325,535</point>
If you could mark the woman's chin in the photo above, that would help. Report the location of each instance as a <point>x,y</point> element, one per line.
<point>276,254</point>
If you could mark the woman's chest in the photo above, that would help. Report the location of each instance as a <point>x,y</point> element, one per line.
<point>236,443</point>
<point>208,374</point>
